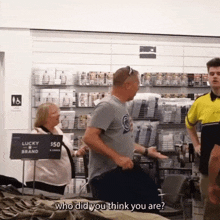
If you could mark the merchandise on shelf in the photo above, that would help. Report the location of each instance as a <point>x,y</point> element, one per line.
<point>36,101</point>
<point>205,80</point>
<point>102,76</point>
<point>190,79</point>
<point>82,121</point>
<point>45,95</point>
<point>67,119</point>
<point>70,136</point>
<point>93,96</point>
<point>148,79</point>
<point>183,79</point>
<point>197,80</point>
<point>144,132</point>
<point>67,98</point>
<point>167,78</point>
<point>158,81</point>
<point>49,95</point>
<point>78,142</point>
<point>64,77</point>
<point>144,106</point>
<point>175,79</point>
<point>109,79</point>
<point>166,142</point>
<point>83,100</point>
<point>82,78</point>
<point>173,110</point>
<point>44,76</point>
<point>79,165</point>
<point>94,78</point>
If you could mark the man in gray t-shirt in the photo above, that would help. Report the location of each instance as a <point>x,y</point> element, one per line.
<point>112,173</point>
<point>111,116</point>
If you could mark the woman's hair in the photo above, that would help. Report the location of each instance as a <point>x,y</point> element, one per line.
<point>42,114</point>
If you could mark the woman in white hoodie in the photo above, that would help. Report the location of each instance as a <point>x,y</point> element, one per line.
<point>51,175</point>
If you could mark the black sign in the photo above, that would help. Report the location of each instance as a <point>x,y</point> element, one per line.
<point>147,52</point>
<point>35,146</point>
<point>16,100</point>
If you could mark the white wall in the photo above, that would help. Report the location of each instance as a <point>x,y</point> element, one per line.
<point>182,17</point>
<point>17,59</point>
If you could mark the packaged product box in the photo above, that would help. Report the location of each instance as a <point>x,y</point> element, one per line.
<point>82,121</point>
<point>158,79</point>
<point>197,80</point>
<point>175,79</point>
<point>50,95</point>
<point>151,107</point>
<point>109,79</point>
<point>102,78</point>
<point>44,76</point>
<point>167,77</point>
<point>190,79</point>
<point>64,77</point>
<point>80,141</point>
<point>145,133</point>
<point>147,79</point>
<point>183,79</point>
<point>153,136</point>
<point>204,79</point>
<point>82,78</point>
<point>67,98</point>
<point>67,119</point>
<point>83,99</point>
<point>36,99</point>
<point>142,79</point>
<point>135,108</point>
<point>70,136</point>
<point>37,76</point>
<point>93,78</point>
<point>93,96</point>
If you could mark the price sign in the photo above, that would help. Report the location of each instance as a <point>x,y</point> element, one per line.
<point>35,146</point>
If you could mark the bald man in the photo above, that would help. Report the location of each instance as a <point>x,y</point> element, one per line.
<point>113,176</point>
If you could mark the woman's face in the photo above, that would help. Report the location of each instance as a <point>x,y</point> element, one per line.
<point>53,115</point>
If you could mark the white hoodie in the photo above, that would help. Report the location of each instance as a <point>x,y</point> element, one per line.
<point>51,171</point>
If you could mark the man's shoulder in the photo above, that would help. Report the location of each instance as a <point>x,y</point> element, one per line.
<point>202,97</point>
<point>108,101</point>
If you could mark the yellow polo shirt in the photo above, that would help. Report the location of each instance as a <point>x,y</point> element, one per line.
<point>206,109</point>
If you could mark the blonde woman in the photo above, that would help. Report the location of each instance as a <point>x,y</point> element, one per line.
<point>52,175</point>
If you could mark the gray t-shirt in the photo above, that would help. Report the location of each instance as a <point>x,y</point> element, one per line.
<point>112,117</point>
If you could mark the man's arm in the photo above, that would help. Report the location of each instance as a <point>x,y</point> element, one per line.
<point>152,151</point>
<point>194,138</point>
<point>214,167</point>
<point>93,140</point>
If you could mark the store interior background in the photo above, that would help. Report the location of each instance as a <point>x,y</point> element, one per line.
<point>22,22</point>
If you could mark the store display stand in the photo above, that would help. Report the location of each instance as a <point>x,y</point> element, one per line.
<point>34,147</point>
<point>34,175</point>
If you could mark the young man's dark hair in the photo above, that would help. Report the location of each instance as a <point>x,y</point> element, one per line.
<point>213,63</point>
